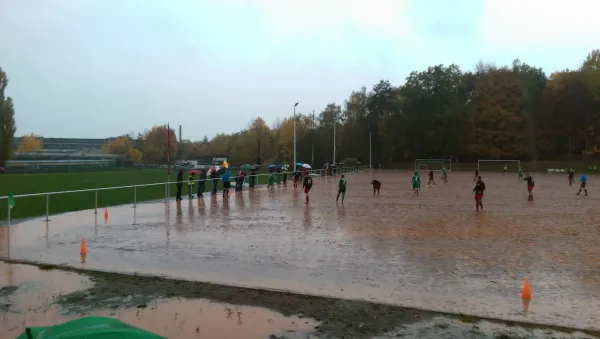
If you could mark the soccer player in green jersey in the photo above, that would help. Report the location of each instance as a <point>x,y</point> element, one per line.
<point>520,171</point>
<point>416,182</point>
<point>341,189</point>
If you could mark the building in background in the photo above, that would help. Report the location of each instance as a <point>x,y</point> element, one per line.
<point>65,144</point>
<point>64,155</point>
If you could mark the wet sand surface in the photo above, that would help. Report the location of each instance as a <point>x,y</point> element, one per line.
<point>429,251</point>
<point>184,309</point>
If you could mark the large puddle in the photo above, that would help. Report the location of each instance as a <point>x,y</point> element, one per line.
<point>428,251</point>
<point>28,297</point>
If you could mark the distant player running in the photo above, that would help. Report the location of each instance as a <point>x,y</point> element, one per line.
<point>376,186</point>
<point>444,174</point>
<point>479,189</point>
<point>505,169</point>
<point>571,176</point>
<point>416,182</point>
<point>583,183</point>
<point>530,185</point>
<point>341,189</point>
<point>307,185</point>
<point>476,174</point>
<point>430,178</point>
<point>520,172</point>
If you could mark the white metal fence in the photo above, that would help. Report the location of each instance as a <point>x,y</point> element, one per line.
<point>47,195</point>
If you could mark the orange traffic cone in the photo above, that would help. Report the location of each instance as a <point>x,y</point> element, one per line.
<point>105,213</point>
<point>526,305</point>
<point>83,247</point>
<point>526,293</point>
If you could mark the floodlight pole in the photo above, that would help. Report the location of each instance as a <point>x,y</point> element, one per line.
<point>370,157</point>
<point>334,138</point>
<point>296,104</point>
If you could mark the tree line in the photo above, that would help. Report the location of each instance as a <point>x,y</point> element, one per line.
<point>513,111</point>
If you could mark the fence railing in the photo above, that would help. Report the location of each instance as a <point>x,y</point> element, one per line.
<point>167,192</point>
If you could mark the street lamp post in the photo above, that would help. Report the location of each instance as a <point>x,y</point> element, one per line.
<point>312,156</point>
<point>296,104</point>
<point>334,138</point>
<point>370,158</point>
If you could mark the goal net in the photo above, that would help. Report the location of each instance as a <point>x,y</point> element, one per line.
<point>498,165</point>
<point>433,164</point>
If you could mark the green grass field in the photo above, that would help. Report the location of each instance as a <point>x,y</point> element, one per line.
<point>59,203</point>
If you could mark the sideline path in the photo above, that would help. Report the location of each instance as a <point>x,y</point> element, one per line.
<point>429,251</point>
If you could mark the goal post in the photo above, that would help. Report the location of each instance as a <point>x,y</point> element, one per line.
<point>433,164</point>
<point>501,164</point>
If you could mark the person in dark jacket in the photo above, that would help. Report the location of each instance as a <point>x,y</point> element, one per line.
<point>190,186</point>
<point>179,185</point>
<point>239,181</point>
<point>252,179</point>
<point>215,180</point>
<point>278,171</point>
<point>226,182</point>
<point>284,174</point>
<point>202,182</point>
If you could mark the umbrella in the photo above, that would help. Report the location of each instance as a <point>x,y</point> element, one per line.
<point>272,166</point>
<point>247,167</point>
<point>307,166</point>
<point>215,169</point>
<point>298,164</point>
<point>256,166</point>
<point>194,172</point>
<point>89,327</point>
<point>326,164</point>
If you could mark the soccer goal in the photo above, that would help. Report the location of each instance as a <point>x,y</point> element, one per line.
<point>433,164</point>
<point>498,165</point>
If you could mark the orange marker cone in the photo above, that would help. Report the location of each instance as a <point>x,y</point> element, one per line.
<point>105,213</point>
<point>526,305</point>
<point>83,247</point>
<point>526,293</point>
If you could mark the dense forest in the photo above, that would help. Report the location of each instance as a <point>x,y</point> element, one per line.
<point>491,112</point>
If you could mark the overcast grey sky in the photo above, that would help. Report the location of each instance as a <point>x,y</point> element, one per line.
<point>100,68</point>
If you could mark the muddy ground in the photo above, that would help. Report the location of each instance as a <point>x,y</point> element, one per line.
<point>327,317</point>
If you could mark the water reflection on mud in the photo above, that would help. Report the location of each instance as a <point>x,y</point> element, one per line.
<point>429,251</point>
<point>28,294</point>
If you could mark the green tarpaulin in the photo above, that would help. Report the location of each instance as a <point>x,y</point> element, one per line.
<point>89,328</point>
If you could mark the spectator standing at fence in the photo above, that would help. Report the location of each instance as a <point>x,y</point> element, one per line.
<point>227,182</point>
<point>179,185</point>
<point>284,174</point>
<point>271,178</point>
<point>190,185</point>
<point>215,180</point>
<point>239,181</point>
<point>252,179</point>
<point>278,175</point>
<point>202,182</point>
<point>296,178</point>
